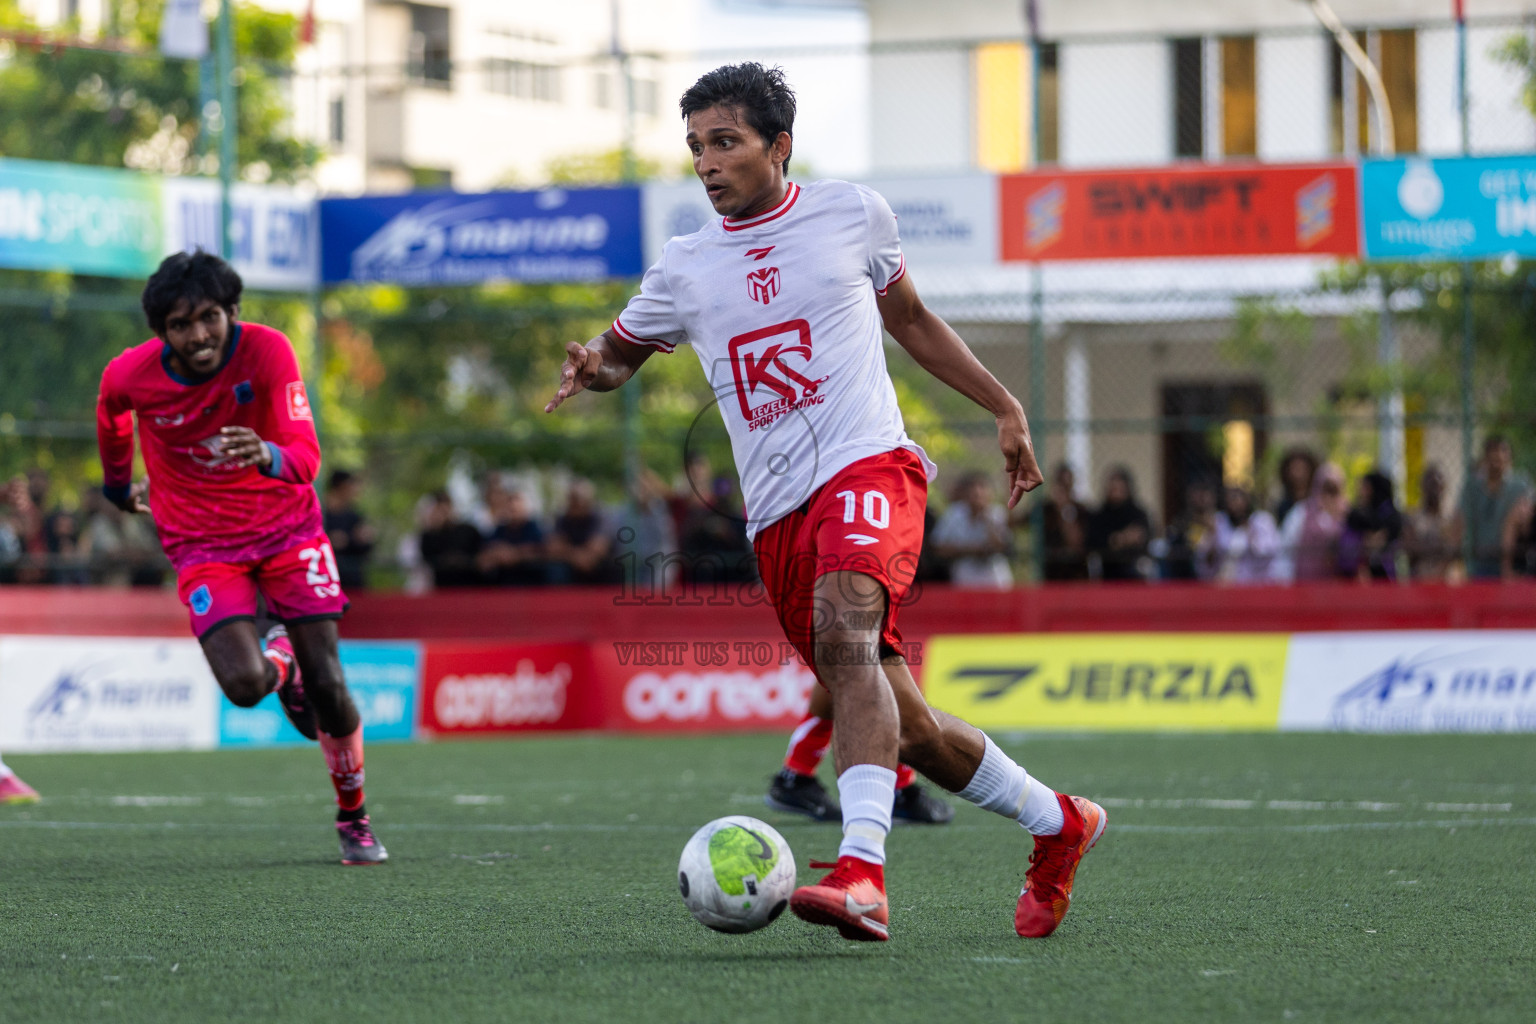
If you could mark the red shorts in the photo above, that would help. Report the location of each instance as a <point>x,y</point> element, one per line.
<point>300,585</point>
<point>866,519</point>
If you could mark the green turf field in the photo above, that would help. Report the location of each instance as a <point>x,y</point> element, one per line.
<point>1242,878</point>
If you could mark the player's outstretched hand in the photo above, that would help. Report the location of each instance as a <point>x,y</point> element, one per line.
<point>1018,455</point>
<point>244,448</point>
<point>578,372</point>
<point>135,502</point>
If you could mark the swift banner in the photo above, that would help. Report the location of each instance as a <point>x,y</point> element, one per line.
<point>1455,208</point>
<point>115,223</point>
<point>1304,209</point>
<point>1187,681</point>
<point>442,238</point>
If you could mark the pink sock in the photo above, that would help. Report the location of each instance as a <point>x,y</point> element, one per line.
<point>808,745</point>
<point>344,758</point>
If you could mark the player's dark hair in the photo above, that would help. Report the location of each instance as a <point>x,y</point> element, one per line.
<point>760,93</point>
<point>191,276</point>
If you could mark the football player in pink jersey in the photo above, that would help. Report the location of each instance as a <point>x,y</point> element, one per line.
<point>229,443</point>
<point>785,300</point>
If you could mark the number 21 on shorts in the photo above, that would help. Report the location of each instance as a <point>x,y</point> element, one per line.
<point>322,573</point>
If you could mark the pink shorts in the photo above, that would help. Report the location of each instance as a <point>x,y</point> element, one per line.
<point>300,585</point>
<point>866,519</point>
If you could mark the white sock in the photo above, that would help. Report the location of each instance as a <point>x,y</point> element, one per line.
<point>4,771</point>
<point>866,792</point>
<point>1000,785</point>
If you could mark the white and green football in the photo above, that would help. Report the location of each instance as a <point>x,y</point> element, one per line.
<point>736,874</point>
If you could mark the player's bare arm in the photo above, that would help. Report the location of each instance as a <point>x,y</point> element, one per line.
<point>943,353</point>
<point>602,364</point>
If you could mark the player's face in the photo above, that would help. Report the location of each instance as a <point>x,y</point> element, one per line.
<point>198,333</point>
<point>742,174</point>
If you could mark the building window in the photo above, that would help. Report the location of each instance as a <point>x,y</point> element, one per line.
<point>1050,104</point>
<point>1239,98</point>
<point>523,79</point>
<point>338,120</point>
<point>1188,99</point>
<point>430,60</point>
<point>1395,54</point>
<point>643,96</point>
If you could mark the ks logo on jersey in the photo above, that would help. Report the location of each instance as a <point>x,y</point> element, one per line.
<point>767,363</point>
<point>763,284</point>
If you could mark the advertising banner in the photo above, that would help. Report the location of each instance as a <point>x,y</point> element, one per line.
<point>444,238</point>
<point>700,686</point>
<point>383,679</point>
<point>1468,681</point>
<point>117,223</point>
<point>86,693</point>
<point>1184,681</point>
<point>491,688</point>
<point>1456,208</point>
<point>942,220</point>
<point>1253,210</point>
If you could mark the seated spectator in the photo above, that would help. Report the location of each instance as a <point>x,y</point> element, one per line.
<point>647,537</point>
<point>1373,528</point>
<point>1120,530</point>
<point>513,552</point>
<point>31,565</point>
<point>931,566</point>
<point>351,536</point>
<point>448,544</point>
<point>124,550</point>
<point>579,545</point>
<point>1429,535</point>
<point>1064,522</point>
<point>1297,467</point>
<point>1247,540</point>
<point>1488,504</point>
<point>973,535</point>
<point>1191,552</point>
<point>713,536</point>
<point>1309,538</point>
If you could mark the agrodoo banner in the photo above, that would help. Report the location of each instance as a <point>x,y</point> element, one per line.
<point>1240,210</point>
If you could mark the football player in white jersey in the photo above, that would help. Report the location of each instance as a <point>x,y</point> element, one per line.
<point>785,300</point>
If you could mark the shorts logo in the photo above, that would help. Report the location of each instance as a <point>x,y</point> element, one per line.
<point>763,284</point>
<point>202,600</point>
<point>766,364</point>
<point>244,393</point>
<point>298,402</point>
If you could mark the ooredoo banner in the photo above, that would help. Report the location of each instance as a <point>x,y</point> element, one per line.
<point>490,688</point>
<point>1195,681</point>
<point>705,686</point>
<point>1254,210</point>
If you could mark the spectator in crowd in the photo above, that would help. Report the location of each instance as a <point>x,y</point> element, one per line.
<point>1247,540</point>
<point>1120,530</point>
<point>713,537</point>
<point>694,492</point>
<point>513,552</point>
<point>579,545</point>
<point>931,566</point>
<point>973,535</point>
<point>448,544</point>
<point>1309,538</point>
<point>1488,504</point>
<point>10,537</point>
<point>1297,467</point>
<point>124,550</point>
<point>1373,528</point>
<point>68,551</point>
<point>352,537</point>
<point>31,565</point>
<point>1191,551</point>
<point>647,538</point>
<point>1064,522</point>
<point>1429,536</point>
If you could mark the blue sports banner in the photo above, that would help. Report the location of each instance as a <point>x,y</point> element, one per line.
<point>383,679</point>
<point>445,238</point>
<point>1458,208</point>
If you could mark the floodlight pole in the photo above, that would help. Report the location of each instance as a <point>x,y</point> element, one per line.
<point>1037,302</point>
<point>1468,361</point>
<point>228,121</point>
<point>628,173</point>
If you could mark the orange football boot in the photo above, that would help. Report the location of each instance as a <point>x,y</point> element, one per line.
<point>849,899</point>
<point>1048,882</point>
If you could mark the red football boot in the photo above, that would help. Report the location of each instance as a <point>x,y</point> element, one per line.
<point>1048,882</point>
<point>851,899</point>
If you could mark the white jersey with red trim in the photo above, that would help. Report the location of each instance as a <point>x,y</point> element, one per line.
<point>780,309</point>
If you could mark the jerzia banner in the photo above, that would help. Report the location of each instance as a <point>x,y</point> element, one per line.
<point>1238,210</point>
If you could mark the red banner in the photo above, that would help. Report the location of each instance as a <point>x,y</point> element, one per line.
<point>706,686</point>
<point>487,688</point>
<point>1254,210</point>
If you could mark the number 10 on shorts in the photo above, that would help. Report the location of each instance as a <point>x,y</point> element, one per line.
<point>877,508</point>
<point>322,573</point>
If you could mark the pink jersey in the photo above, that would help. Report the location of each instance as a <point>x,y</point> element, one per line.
<point>205,508</point>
